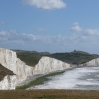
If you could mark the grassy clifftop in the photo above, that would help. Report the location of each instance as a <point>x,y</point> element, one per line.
<point>76,57</point>
<point>31,58</point>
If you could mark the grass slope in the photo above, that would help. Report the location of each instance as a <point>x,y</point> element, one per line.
<point>76,57</point>
<point>4,71</point>
<point>30,60</point>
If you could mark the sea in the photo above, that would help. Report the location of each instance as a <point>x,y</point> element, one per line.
<point>83,78</point>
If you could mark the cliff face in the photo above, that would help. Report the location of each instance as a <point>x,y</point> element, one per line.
<point>94,62</point>
<point>47,65</point>
<point>8,82</point>
<point>9,60</point>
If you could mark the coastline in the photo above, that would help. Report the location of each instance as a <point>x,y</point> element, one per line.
<point>32,78</point>
<point>58,72</point>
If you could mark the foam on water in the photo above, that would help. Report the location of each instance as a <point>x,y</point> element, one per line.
<point>78,78</point>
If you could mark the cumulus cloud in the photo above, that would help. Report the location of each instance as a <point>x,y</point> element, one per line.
<point>45,4</point>
<point>81,41</point>
<point>92,32</point>
<point>3,33</point>
<point>12,35</point>
<point>76,27</point>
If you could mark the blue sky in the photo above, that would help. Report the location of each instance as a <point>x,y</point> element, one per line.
<point>50,25</point>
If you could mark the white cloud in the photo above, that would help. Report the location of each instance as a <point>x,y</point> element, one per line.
<point>12,35</point>
<point>92,32</point>
<point>46,4</point>
<point>81,41</point>
<point>3,33</point>
<point>76,27</point>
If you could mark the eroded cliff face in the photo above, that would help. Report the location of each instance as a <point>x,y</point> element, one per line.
<point>9,60</point>
<point>94,62</point>
<point>47,65</point>
<point>8,82</point>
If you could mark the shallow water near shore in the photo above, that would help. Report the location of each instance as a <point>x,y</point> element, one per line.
<point>85,78</point>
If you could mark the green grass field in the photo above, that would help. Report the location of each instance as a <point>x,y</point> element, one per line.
<point>76,57</point>
<point>31,58</point>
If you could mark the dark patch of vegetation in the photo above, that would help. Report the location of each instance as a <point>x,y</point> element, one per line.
<point>4,71</point>
<point>24,52</point>
<point>49,94</point>
<point>39,80</point>
<point>30,60</point>
<point>76,57</point>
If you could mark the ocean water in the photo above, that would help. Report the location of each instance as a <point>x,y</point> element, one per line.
<point>85,78</point>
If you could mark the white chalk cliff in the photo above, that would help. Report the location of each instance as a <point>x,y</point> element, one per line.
<point>94,62</point>
<point>8,82</point>
<point>9,60</point>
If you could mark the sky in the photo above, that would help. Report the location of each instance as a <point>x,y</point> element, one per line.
<point>50,25</point>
